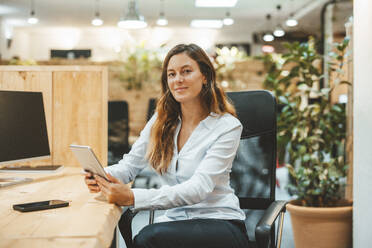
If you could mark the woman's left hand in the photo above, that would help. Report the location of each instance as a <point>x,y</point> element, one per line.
<point>115,191</point>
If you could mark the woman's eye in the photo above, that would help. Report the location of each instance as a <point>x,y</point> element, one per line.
<point>187,71</point>
<point>171,74</point>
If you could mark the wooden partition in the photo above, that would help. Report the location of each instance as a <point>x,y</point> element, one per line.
<point>75,101</point>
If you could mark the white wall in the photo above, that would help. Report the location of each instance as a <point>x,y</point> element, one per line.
<point>362,216</point>
<point>36,43</point>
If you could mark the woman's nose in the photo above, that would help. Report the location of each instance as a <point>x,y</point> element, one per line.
<point>179,78</point>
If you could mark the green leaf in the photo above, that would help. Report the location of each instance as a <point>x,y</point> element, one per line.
<point>302,149</point>
<point>306,158</point>
<point>337,108</point>
<point>283,100</point>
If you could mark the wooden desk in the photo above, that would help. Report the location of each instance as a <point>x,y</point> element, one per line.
<point>87,222</point>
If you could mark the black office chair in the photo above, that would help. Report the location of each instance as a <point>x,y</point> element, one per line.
<point>253,173</point>
<point>118,130</point>
<point>254,168</point>
<point>151,108</point>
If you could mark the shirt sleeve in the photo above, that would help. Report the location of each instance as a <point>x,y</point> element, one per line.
<point>217,162</point>
<point>133,162</point>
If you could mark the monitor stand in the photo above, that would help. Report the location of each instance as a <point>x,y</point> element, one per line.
<point>9,181</point>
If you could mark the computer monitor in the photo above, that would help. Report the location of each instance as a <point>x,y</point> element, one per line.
<point>23,129</point>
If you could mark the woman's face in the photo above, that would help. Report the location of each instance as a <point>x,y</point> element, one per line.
<point>184,78</point>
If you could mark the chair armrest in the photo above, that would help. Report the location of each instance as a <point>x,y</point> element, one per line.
<point>264,226</point>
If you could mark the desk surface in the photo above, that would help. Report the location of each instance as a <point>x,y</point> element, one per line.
<point>87,222</point>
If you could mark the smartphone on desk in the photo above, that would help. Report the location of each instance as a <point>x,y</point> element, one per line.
<point>41,205</point>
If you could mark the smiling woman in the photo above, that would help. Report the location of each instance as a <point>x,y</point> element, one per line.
<point>191,142</point>
<point>190,93</point>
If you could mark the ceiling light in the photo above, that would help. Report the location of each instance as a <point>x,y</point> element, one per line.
<point>291,22</point>
<point>132,24</point>
<point>132,20</point>
<point>228,20</point>
<point>162,21</point>
<point>267,49</point>
<point>97,21</point>
<point>268,37</point>
<point>206,24</point>
<point>279,32</point>
<point>215,3</point>
<point>32,19</point>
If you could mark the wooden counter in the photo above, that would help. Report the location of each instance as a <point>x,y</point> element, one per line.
<point>87,222</point>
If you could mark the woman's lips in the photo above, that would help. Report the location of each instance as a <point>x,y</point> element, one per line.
<point>180,89</point>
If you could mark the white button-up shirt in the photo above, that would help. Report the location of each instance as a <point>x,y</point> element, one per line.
<point>197,182</point>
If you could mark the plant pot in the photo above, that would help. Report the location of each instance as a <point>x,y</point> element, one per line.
<point>318,227</point>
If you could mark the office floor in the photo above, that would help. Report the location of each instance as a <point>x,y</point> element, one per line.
<point>281,194</point>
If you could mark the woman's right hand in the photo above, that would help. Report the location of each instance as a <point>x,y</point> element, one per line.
<point>91,182</point>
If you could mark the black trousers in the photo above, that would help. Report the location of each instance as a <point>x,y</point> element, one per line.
<point>194,233</point>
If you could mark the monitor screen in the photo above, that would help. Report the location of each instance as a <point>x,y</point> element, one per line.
<point>23,130</point>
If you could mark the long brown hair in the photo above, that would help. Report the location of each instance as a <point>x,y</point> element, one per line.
<point>213,98</point>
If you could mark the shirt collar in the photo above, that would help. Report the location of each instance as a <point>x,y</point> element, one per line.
<point>209,122</point>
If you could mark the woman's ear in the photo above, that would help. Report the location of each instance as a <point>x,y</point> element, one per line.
<point>205,80</point>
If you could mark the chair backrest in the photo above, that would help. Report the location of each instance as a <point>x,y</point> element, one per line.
<point>151,108</point>
<point>253,172</point>
<point>118,130</point>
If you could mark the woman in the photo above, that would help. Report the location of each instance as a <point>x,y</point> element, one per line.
<point>191,142</point>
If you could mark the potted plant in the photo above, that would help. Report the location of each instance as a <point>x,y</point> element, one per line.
<point>311,131</point>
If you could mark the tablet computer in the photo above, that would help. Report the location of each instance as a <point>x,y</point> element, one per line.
<point>88,160</point>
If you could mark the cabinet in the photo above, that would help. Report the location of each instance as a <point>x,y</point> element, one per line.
<point>75,102</point>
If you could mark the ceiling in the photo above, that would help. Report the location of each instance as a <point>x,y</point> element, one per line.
<point>249,15</point>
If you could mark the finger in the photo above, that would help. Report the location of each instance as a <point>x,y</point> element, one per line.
<point>88,175</point>
<point>94,189</point>
<point>112,178</point>
<point>91,181</point>
<point>102,182</point>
